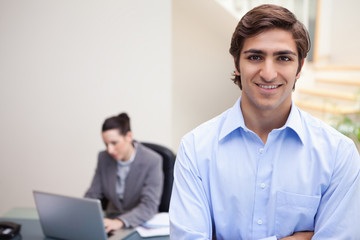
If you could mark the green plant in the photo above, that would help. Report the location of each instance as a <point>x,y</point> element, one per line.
<point>350,125</point>
<point>350,128</point>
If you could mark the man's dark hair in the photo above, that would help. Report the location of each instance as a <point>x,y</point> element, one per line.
<point>266,17</point>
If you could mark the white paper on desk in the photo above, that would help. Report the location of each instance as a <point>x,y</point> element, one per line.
<point>157,226</point>
<point>152,232</point>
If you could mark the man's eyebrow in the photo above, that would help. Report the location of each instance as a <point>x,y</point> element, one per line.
<point>282,52</point>
<point>285,52</point>
<point>256,51</point>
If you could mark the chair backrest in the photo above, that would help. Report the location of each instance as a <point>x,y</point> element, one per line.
<point>168,168</point>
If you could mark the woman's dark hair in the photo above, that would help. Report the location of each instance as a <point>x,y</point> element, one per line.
<point>120,122</point>
<point>265,17</point>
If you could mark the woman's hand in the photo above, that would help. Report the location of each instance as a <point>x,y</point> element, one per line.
<point>112,224</point>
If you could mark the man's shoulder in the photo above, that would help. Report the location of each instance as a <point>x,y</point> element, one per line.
<point>208,130</point>
<point>317,128</point>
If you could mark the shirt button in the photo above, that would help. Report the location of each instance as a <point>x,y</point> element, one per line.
<point>263,185</point>
<point>261,150</point>
<point>259,222</point>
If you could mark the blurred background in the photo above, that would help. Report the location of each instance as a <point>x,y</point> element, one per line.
<point>65,66</point>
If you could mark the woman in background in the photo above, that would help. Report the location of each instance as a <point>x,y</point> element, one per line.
<point>128,177</point>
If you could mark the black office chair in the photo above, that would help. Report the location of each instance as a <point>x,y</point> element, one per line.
<point>168,168</point>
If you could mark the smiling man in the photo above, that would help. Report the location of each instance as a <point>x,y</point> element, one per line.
<point>264,169</point>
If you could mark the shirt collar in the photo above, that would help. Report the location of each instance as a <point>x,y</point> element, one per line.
<point>235,119</point>
<point>295,123</point>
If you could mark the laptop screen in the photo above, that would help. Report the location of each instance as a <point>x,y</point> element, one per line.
<point>70,217</point>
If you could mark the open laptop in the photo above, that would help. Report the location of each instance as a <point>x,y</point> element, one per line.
<point>69,217</point>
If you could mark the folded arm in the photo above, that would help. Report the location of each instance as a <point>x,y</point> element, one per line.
<point>300,236</point>
<point>187,193</point>
<point>339,209</point>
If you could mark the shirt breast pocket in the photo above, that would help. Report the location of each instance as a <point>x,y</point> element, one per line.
<point>294,213</point>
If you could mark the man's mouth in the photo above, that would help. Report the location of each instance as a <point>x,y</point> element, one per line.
<point>268,86</point>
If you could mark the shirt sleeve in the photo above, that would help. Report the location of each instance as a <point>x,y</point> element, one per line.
<point>189,212</point>
<point>339,209</point>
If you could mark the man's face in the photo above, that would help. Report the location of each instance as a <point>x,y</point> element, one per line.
<point>268,69</point>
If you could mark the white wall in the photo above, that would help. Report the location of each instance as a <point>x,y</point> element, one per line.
<point>64,67</point>
<point>344,34</point>
<point>338,32</point>
<point>67,65</point>
<point>202,64</point>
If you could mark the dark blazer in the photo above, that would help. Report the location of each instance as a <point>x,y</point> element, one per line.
<point>143,186</point>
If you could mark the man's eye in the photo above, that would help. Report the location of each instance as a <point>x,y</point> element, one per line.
<point>284,58</point>
<point>254,58</point>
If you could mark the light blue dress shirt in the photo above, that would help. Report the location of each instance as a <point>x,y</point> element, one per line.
<point>228,183</point>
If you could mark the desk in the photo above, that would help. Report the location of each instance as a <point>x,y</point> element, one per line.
<point>31,227</point>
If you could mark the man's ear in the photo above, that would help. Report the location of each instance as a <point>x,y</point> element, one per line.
<point>299,70</point>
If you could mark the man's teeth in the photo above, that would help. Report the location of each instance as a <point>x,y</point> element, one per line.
<point>268,86</point>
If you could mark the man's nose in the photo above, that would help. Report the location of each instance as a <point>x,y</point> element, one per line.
<point>268,71</point>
